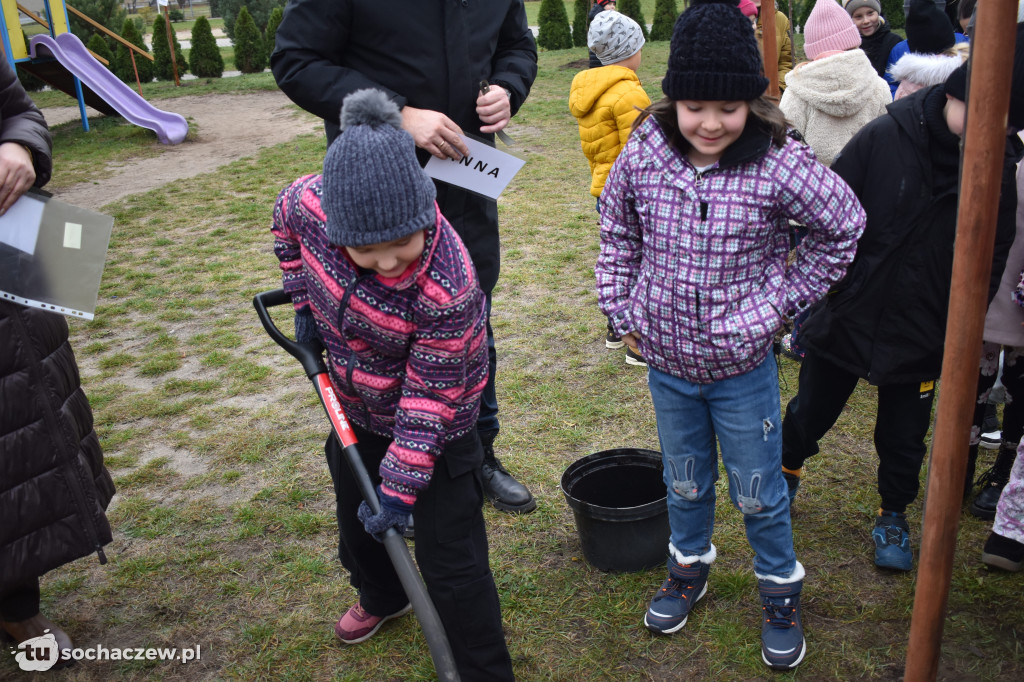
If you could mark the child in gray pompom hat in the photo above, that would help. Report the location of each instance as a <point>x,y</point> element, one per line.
<point>374,188</point>
<point>380,278</point>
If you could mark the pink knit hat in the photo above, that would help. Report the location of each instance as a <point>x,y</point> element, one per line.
<point>829,28</point>
<point>748,7</point>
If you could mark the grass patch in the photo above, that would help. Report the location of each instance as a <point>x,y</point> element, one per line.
<point>224,526</point>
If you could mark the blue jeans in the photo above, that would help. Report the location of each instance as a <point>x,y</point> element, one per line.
<point>743,414</point>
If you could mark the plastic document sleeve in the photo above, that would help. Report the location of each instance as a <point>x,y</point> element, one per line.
<point>52,255</point>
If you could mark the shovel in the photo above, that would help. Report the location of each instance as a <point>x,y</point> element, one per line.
<point>310,356</point>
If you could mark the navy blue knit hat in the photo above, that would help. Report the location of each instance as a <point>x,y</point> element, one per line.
<point>374,190</point>
<point>714,55</point>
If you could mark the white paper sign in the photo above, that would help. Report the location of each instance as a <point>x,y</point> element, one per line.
<point>19,227</point>
<point>162,3</point>
<point>485,170</point>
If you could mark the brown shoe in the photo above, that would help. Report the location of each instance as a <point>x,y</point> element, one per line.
<point>37,626</point>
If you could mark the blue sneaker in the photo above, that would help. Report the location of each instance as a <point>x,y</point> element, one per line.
<point>892,542</point>
<point>670,607</point>
<point>782,635</point>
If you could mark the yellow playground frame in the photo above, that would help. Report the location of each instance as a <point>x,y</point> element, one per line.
<point>55,20</point>
<point>14,40</point>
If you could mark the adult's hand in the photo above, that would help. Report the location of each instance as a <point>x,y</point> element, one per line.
<point>435,132</point>
<point>494,109</point>
<point>17,173</point>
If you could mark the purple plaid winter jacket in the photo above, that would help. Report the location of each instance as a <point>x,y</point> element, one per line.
<point>695,263</point>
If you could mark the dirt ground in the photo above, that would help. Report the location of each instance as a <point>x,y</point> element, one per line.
<point>222,129</point>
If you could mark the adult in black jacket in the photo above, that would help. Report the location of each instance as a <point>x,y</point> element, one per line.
<point>53,486</point>
<point>430,58</point>
<point>595,9</point>
<point>885,321</point>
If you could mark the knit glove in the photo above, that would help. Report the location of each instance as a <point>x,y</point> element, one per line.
<point>392,515</point>
<point>305,326</point>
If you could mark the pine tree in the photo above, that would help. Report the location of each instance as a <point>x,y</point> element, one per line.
<point>276,15</point>
<point>250,55</point>
<point>665,14</point>
<point>580,10</point>
<point>631,8</point>
<point>100,48</point>
<point>162,67</point>
<point>108,13</point>
<point>554,26</point>
<point>205,60</point>
<point>805,12</point>
<point>122,64</point>
<point>259,10</point>
<point>892,10</point>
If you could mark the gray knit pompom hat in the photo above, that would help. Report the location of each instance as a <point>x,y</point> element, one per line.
<point>374,190</point>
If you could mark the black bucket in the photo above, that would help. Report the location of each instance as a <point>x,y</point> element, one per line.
<point>619,501</point>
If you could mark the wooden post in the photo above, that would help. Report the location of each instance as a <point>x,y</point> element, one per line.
<point>135,67</point>
<point>770,50</point>
<point>170,44</point>
<point>984,144</point>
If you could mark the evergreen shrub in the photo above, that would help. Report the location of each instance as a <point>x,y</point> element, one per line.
<point>122,64</point>
<point>250,54</point>
<point>162,67</point>
<point>553,33</point>
<point>205,60</point>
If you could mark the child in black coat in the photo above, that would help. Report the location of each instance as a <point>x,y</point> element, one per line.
<point>886,320</point>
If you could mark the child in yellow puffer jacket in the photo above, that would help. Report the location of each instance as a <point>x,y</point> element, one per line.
<point>605,101</point>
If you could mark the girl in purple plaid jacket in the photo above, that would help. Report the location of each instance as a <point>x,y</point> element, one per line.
<point>692,273</point>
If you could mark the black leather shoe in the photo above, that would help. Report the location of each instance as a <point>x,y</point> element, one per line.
<point>984,504</point>
<point>504,491</point>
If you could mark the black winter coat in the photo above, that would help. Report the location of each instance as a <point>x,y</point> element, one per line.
<point>594,11</point>
<point>878,45</point>
<point>886,319</point>
<point>53,487</point>
<point>430,55</point>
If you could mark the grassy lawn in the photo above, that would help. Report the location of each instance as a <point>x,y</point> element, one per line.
<point>224,521</point>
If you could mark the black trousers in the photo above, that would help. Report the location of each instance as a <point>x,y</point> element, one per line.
<point>901,424</point>
<point>19,601</point>
<point>451,551</point>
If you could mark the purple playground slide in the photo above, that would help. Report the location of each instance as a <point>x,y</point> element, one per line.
<point>170,128</point>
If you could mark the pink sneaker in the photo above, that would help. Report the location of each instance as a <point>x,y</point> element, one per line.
<point>358,626</point>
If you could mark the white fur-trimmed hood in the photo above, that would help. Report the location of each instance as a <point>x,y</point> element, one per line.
<point>836,85</point>
<point>925,69</point>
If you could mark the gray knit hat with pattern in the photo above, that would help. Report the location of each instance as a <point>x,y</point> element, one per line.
<point>374,190</point>
<point>613,37</point>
